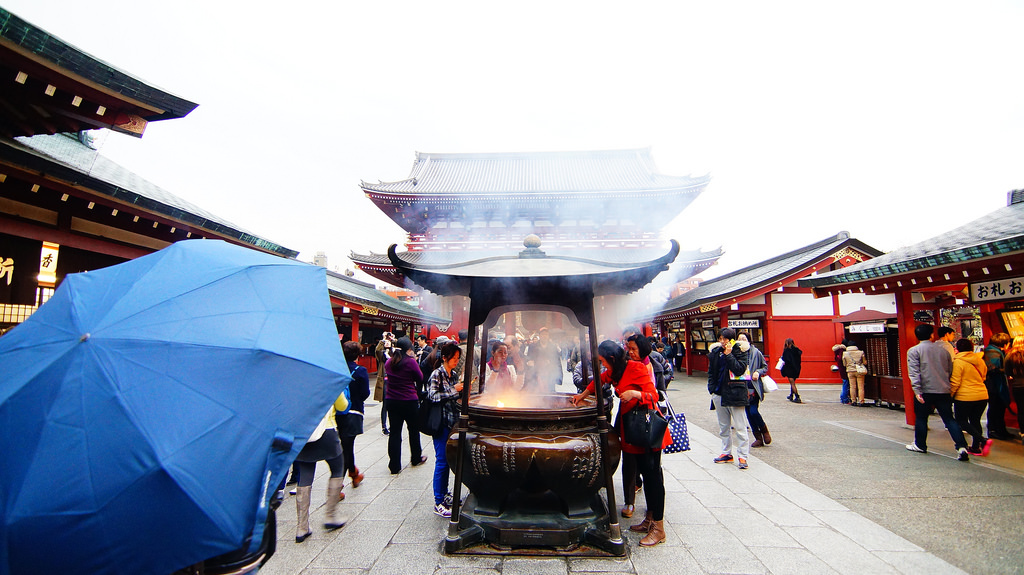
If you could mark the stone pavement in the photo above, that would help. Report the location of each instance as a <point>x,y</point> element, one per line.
<point>718,520</point>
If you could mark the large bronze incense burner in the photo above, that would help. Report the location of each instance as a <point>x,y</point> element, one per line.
<point>538,469</point>
<point>541,466</point>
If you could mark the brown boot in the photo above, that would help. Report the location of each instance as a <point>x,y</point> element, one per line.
<point>767,436</point>
<point>333,520</point>
<point>302,530</point>
<point>655,535</point>
<point>357,477</point>
<point>758,440</point>
<point>645,525</point>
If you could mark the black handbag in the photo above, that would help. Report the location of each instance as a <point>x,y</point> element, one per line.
<point>644,427</point>
<point>430,417</point>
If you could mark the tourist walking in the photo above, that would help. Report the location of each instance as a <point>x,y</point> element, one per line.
<point>727,362</point>
<point>791,368</point>
<point>323,445</point>
<point>998,390</point>
<point>382,352</point>
<point>970,396</point>
<point>856,369</point>
<point>350,423</point>
<point>930,369</point>
<point>755,390</point>
<point>635,388</point>
<point>442,388</point>
<point>402,403</point>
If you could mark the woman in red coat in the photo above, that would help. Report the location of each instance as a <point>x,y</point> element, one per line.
<point>634,386</point>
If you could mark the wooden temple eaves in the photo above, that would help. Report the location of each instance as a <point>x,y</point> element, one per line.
<point>48,86</point>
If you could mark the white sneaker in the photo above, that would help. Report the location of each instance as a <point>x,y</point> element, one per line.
<point>913,447</point>
<point>442,510</point>
<point>963,454</point>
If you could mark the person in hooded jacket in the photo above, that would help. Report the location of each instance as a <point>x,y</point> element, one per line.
<point>727,362</point>
<point>970,396</point>
<point>998,390</point>
<point>758,368</point>
<point>852,358</point>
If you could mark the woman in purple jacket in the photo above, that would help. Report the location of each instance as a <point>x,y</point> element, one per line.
<point>403,373</point>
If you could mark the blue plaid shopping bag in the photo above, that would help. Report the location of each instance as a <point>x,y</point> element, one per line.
<point>677,429</point>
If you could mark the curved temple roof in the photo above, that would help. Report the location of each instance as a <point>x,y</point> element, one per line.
<point>532,276</point>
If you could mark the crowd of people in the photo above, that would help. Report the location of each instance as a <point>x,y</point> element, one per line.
<point>948,375</point>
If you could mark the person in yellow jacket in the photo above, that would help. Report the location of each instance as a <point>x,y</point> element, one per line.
<point>970,396</point>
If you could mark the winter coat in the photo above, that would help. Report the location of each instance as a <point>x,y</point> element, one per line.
<point>721,368</point>
<point>382,356</point>
<point>756,363</point>
<point>636,377</point>
<point>791,357</point>
<point>853,357</point>
<point>968,380</point>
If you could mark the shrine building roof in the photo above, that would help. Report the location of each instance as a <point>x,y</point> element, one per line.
<point>994,235</point>
<point>537,173</point>
<point>70,167</point>
<point>50,86</point>
<point>375,302</point>
<point>765,276</point>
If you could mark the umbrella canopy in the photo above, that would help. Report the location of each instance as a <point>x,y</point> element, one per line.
<point>148,410</point>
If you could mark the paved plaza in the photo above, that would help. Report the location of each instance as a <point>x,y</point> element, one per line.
<point>836,492</point>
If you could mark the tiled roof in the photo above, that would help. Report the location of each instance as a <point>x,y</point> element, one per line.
<point>356,291</point>
<point>997,233</point>
<point>41,44</point>
<point>761,274</point>
<point>64,157</point>
<point>611,256</point>
<point>538,172</point>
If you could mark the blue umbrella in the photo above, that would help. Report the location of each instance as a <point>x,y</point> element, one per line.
<point>149,409</point>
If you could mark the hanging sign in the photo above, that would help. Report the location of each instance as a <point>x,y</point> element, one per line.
<point>995,290</point>
<point>708,323</point>
<point>744,323</point>
<point>867,328</point>
<point>48,264</point>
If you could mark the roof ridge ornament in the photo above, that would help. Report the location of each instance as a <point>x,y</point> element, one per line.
<point>532,245</point>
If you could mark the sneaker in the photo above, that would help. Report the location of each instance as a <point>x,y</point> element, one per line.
<point>963,454</point>
<point>724,458</point>
<point>913,447</point>
<point>986,448</point>
<point>743,463</point>
<point>448,499</point>
<point>442,510</point>
<point>974,450</point>
<point>384,431</point>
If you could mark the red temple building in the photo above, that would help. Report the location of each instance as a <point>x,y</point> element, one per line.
<point>464,207</point>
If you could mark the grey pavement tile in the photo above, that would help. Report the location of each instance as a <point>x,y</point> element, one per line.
<point>422,526</point>
<point>683,468</point>
<point>767,474</point>
<point>682,509</point>
<point>717,550</point>
<point>839,551</point>
<point>714,494</point>
<point>482,562</point>
<point>330,571</point>
<point>466,571</point>
<point>358,545</point>
<point>752,528</point>
<point>791,561</point>
<point>914,562</point>
<point>397,504</point>
<point>413,559</point>
<point>291,558</point>
<point>664,560</point>
<point>600,565</point>
<point>534,566</point>
<point>806,497</point>
<point>780,510</point>
<point>866,533</point>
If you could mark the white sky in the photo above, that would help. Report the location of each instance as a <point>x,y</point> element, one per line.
<point>893,120</point>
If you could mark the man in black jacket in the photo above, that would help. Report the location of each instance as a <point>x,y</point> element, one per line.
<point>727,364</point>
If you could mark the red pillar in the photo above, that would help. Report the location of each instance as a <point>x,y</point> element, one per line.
<point>355,326</point>
<point>905,321</point>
